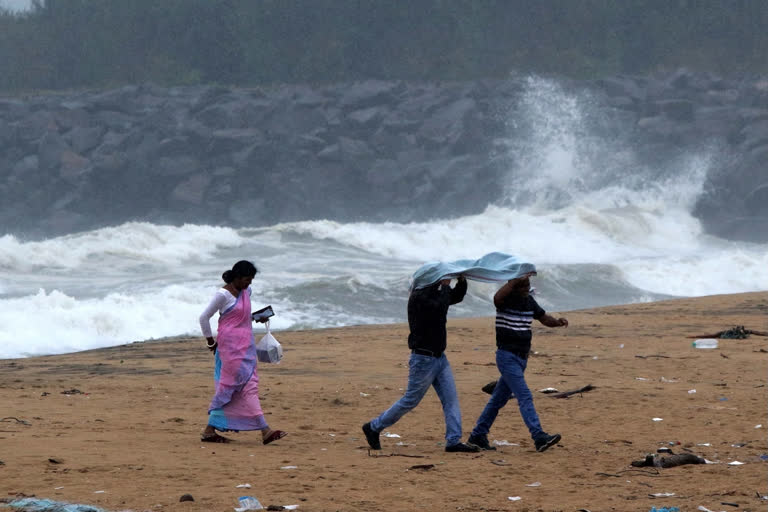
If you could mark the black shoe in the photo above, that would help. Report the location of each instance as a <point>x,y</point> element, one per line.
<point>372,437</point>
<point>462,447</point>
<point>545,441</point>
<point>481,442</point>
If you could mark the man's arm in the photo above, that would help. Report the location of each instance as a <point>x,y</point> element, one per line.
<point>551,321</point>
<point>458,291</point>
<point>509,287</point>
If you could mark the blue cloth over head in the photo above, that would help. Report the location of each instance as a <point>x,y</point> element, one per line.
<point>493,267</point>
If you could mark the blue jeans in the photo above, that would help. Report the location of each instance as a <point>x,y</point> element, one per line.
<point>423,372</point>
<point>512,380</point>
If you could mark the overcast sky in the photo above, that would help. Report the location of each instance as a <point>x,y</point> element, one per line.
<point>15,4</point>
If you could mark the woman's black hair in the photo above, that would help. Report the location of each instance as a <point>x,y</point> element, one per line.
<point>242,268</point>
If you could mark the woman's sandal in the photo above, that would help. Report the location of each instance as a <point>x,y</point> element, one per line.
<point>274,436</point>
<point>214,438</point>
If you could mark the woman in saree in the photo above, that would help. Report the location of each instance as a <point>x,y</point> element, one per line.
<point>235,405</point>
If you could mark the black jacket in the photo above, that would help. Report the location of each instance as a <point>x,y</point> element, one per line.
<point>427,314</point>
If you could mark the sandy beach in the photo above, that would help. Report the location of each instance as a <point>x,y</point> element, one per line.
<point>119,428</point>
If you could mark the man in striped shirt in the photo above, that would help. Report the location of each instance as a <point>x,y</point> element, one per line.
<point>515,311</point>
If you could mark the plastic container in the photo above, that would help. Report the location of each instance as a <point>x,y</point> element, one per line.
<point>249,503</point>
<point>705,343</point>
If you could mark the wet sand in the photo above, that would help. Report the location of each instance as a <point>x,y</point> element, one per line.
<point>119,428</point>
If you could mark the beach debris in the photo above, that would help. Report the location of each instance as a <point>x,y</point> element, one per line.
<point>2,463</point>
<point>514,498</point>
<point>186,497</point>
<point>665,509</point>
<point>45,505</point>
<point>73,391</point>
<point>657,419</point>
<point>664,379</point>
<point>501,462</point>
<point>243,486</point>
<point>488,388</point>
<point>44,393</point>
<point>548,390</point>
<point>661,494</point>
<point>503,442</point>
<point>364,394</point>
<point>759,425</point>
<point>424,467</point>
<point>578,391</point>
<point>248,503</point>
<point>736,463</point>
<point>737,332</point>
<point>671,461</point>
<point>534,484</point>
<point>691,391</point>
<point>99,492</point>
<point>738,445</point>
<point>704,444</point>
<point>641,378</point>
<point>287,467</point>
<point>282,507</point>
<point>390,434</point>
<point>17,420</point>
<point>395,455</point>
<point>55,461</point>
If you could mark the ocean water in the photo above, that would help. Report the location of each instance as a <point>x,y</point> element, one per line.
<point>600,226</point>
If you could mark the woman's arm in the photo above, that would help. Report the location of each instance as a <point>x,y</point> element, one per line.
<point>215,305</point>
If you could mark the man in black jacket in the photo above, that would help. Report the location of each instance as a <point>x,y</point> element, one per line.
<point>428,366</point>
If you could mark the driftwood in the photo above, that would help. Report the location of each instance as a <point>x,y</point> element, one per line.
<point>737,332</point>
<point>488,388</point>
<point>377,455</point>
<point>566,394</point>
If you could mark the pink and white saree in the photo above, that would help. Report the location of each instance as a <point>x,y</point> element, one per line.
<point>235,405</point>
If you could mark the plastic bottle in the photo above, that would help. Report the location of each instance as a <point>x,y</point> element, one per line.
<point>705,343</point>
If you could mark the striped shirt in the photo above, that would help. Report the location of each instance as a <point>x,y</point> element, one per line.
<point>513,322</point>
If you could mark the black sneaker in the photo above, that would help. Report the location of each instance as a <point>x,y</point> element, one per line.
<point>481,442</point>
<point>545,441</point>
<point>462,447</point>
<point>372,437</point>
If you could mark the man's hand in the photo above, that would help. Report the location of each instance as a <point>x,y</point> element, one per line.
<point>551,321</point>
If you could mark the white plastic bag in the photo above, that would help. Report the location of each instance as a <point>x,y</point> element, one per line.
<point>268,349</point>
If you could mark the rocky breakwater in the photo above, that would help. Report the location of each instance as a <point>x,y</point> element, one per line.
<point>371,150</point>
